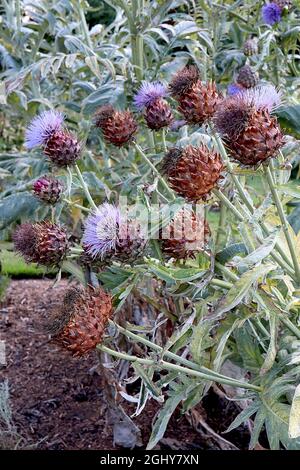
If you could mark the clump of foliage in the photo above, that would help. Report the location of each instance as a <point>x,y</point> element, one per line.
<point>180,111</point>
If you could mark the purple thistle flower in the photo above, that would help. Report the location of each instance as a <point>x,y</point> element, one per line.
<point>233,89</point>
<point>271,13</point>
<point>148,93</point>
<point>42,127</point>
<point>265,96</point>
<point>100,236</point>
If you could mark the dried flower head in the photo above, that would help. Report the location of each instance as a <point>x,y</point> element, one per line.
<point>271,13</point>
<point>184,80</point>
<point>42,127</point>
<point>80,322</point>
<point>42,242</point>
<point>48,189</point>
<point>247,127</point>
<point>24,239</point>
<point>185,236</point>
<point>232,116</point>
<point>118,127</point>
<point>148,93</point>
<point>108,233</point>
<point>103,114</point>
<point>247,77</point>
<point>193,171</point>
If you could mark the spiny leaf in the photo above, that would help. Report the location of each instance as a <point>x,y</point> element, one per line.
<point>241,288</point>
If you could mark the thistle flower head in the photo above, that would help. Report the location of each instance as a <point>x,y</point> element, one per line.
<point>47,189</point>
<point>102,115</point>
<point>233,89</point>
<point>109,233</point>
<point>101,231</point>
<point>184,80</point>
<point>271,13</point>
<point>80,322</point>
<point>148,93</point>
<point>265,96</point>
<point>170,160</point>
<point>232,116</point>
<point>24,239</point>
<point>42,242</point>
<point>42,127</point>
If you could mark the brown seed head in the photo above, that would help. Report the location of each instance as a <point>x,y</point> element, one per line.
<point>80,322</point>
<point>183,81</point>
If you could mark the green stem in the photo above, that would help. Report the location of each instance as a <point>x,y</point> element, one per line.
<point>180,369</point>
<point>84,25</point>
<point>283,219</point>
<point>74,204</point>
<point>85,188</point>
<point>220,283</point>
<point>164,140</point>
<point>228,204</point>
<point>139,56</point>
<point>220,230</point>
<point>166,353</point>
<point>290,326</point>
<point>155,171</point>
<point>18,15</point>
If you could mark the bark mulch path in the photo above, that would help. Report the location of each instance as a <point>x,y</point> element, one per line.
<point>57,401</point>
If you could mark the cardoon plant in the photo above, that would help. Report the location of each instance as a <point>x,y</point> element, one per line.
<point>221,289</point>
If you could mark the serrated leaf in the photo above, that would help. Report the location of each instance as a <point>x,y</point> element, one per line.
<point>243,416</point>
<point>241,288</point>
<point>146,376</point>
<point>164,416</point>
<point>258,255</point>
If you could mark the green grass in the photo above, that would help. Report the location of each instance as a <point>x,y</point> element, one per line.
<point>14,265</point>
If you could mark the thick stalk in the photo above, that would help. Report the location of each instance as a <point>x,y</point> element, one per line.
<point>18,15</point>
<point>283,219</point>
<point>228,204</point>
<point>84,25</point>
<point>166,353</point>
<point>164,140</point>
<point>74,204</point>
<point>85,188</point>
<point>180,369</point>
<point>221,226</point>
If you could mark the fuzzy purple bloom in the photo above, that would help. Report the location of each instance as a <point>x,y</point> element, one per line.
<point>100,236</point>
<point>148,93</point>
<point>265,96</point>
<point>271,13</point>
<point>42,127</point>
<point>233,89</point>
